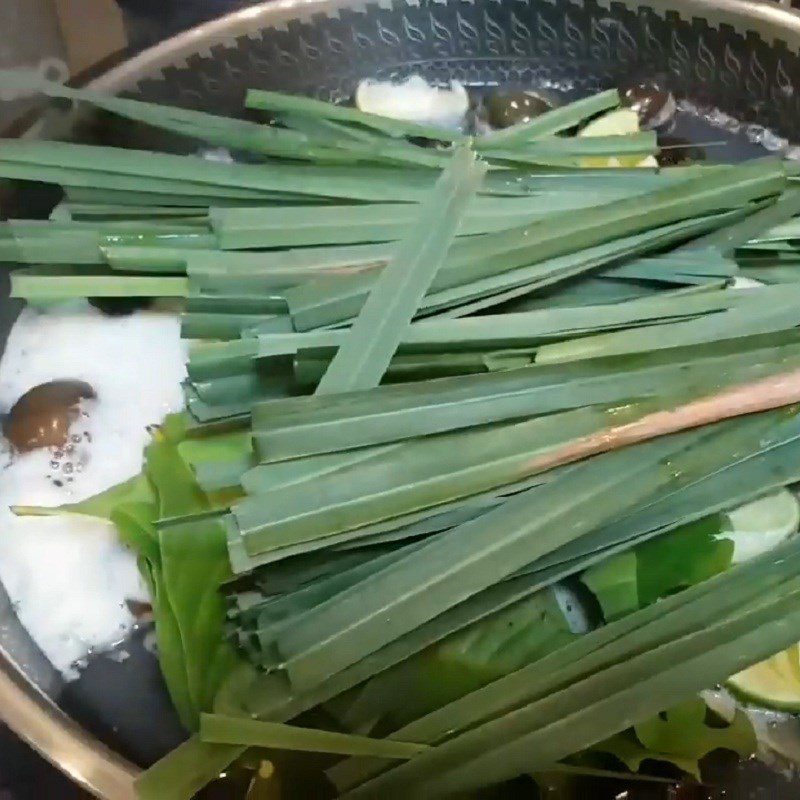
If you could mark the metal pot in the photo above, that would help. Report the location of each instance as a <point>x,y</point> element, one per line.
<point>740,57</point>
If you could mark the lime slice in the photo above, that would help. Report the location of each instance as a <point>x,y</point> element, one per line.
<point>621,122</point>
<point>774,683</point>
<point>760,525</point>
<point>755,528</point>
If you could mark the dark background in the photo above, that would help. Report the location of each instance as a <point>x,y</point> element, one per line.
<point>25,776</point>
<point>149,21</point>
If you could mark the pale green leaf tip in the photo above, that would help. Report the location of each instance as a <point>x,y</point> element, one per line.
<point>38,511</point>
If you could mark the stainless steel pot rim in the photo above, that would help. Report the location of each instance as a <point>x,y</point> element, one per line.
<point>36,719</point>
<point>23,706</point>
<point>772,22</point>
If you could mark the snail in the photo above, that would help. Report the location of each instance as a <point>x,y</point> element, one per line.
<point>655,107</point>
<point>43,415</point>
<point>512,108</point>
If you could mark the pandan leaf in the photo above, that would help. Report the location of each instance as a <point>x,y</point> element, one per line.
<point>364,356</point>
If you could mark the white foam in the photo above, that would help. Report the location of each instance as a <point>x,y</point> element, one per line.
<point>415,100</point>
<point>68,577</point>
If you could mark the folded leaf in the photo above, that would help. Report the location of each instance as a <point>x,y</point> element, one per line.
<point>364,356</point>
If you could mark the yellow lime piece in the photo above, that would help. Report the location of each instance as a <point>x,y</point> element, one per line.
<point>621,122</point>
<point>774,683</point>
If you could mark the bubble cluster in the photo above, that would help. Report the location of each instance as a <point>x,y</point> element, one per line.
<point>69,461</point>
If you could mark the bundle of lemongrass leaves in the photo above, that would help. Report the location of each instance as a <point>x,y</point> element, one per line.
<point>439,381</point>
